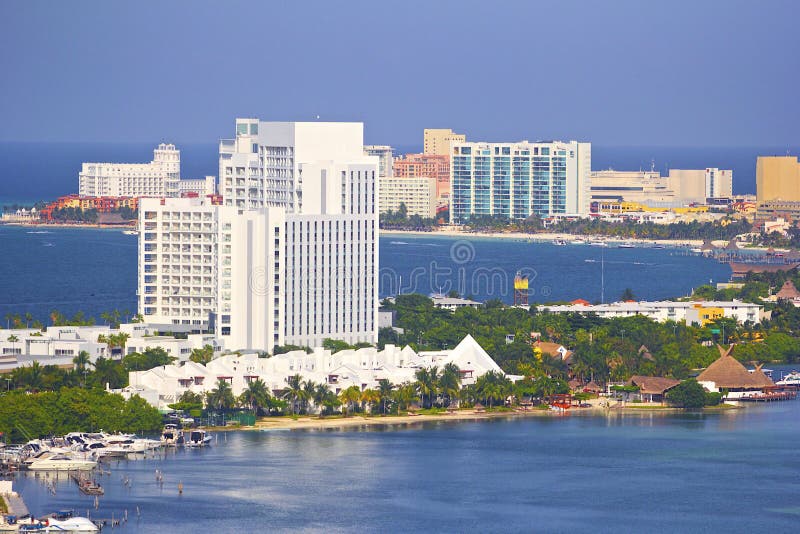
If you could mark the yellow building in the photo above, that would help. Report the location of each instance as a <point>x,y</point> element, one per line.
<point>703,315</point>
<point>777,178</point>
<point>439,140</point>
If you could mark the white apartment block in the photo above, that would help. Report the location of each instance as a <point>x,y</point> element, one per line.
<point>363,368</point>
<point>290,258</point>
<point>515,180</point>
<point>418,195</point>
<point>691,312</point>
<point>159,178</point>
<point>200,187</point>
<point>385,159</point>
<point>646,187</point>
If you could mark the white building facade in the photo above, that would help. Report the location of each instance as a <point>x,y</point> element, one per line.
<point>385,155</point>
<point>691,312</point>
<point>159,178</point>
<point>197,186</point>
<point>363,368</point>
<point>290,258</point>
<point>418,195</point>
<point>515,180</point>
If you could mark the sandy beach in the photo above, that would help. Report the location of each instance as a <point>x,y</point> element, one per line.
<point>465,415</point>
<point>547,237</point>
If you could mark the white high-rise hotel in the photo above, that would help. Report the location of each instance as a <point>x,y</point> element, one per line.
<point>291,257</point>
<point>159,178</point>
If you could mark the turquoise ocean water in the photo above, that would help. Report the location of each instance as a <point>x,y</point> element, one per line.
<point>93,271</point>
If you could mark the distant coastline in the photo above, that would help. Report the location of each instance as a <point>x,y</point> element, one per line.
<point>92,226</point>
<point>547,237</point>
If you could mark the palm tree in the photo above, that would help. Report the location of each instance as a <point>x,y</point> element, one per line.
<point>321,394</point>
<point>492,386</point>
<point>13,340</point>
<point>385,391</point>
<point>294,390</point>
<point>370,397</point>
<point>426,383</point>
<point>309,388</point>
<point>349,396</point>
<point>450,381</point>
<point>256,396</point>
<point>221,397</point>
<point>81,360</point>
<point>405,395</point>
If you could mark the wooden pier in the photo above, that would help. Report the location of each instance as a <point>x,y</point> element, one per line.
<point>86,484</point>
<point>772,396</point>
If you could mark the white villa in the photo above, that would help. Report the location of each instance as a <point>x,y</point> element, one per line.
<point>58,345</point>
<point>362,368</point>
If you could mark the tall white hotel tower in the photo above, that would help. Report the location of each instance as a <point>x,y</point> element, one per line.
<point>291,255</point>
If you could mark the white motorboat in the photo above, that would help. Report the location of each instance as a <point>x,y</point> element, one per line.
<point>626,245</point>
<point>559,242</point>
<point>73,524</point>
<point>577,242</point>
<point>198,437</point>
<point>792,379</point>
<point>172,436</point>
<point>62,462</point>
<point>130,232</point>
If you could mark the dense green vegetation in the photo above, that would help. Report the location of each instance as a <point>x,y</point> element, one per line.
<point>104,372</point>
<point>690,395</point>
<point>78,215</point>
<point>30,415</point>
<point>604,349</point>
<point>400,220</point>
<point>726,228</point>
<point>111,318</point>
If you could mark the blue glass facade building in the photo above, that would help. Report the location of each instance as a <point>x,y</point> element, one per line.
<point>515,180</point>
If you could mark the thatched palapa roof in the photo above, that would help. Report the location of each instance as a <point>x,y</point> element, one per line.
<point>653,385</point>
<point>788,291</point>
<point>726,372</point>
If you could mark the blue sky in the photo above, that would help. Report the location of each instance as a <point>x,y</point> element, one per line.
<point>673,73</point>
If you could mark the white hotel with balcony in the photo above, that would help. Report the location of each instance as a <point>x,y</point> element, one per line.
<point>291,255</point>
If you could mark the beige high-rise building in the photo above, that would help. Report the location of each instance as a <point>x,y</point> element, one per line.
<point>697,185</point>
<point>777,178</point>
<point>418,195</point>
<point>439,140</point>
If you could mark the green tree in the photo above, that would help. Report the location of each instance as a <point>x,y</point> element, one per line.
<point>202,356</point>
<point>349,397</point>
<point>450,382</point>
<point>385,392</point>
<point>221,397</point>
<point>688,395</point>
<point>256,396</point>
<point>294,386</point>
<point>426,384</point>
<point>627,295</point>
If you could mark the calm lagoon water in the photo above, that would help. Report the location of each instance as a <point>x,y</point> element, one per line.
<point>94,271</point>
<point>734,472</point>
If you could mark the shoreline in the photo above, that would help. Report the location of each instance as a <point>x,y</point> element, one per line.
<point>89,226</point>
<point>542,237</point>
<point>287,423</point>
<point>549,237</point>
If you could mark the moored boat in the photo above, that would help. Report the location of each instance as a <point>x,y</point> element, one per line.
<point>172,436</point>
<point>198,437</point>
<point>62,462</point>
<point>791,379</point>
